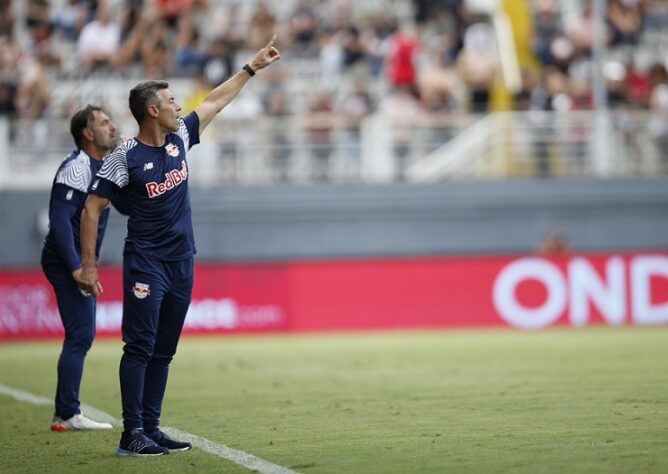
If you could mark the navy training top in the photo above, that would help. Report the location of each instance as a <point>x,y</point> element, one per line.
<point>68,196</point>
<point>152,183</point>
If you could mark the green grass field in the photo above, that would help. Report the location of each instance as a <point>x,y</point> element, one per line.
<point>563,400</point>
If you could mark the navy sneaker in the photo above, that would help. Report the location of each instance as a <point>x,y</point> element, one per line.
<point>136,443</point>
<point>161,439</point>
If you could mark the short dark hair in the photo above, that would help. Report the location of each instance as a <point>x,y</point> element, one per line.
<point>81,120</point>
<point>143,95</point>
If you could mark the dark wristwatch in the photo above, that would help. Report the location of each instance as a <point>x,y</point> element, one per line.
<point>249,70</point>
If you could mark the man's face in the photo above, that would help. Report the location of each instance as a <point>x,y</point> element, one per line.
<point>103,130</point>
<point>168,116</point>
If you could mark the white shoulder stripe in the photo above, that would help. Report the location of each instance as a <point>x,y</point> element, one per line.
<point>183,133</point>
<point>115,166</point>
<point>76,173</point>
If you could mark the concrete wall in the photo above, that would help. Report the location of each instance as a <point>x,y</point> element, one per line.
<point>280,223</point>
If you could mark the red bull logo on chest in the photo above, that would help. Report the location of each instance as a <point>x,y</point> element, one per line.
<point>173,179</point>
<point>172,150</point>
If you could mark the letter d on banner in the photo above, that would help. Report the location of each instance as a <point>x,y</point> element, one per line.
<point>505,295</point>
<point>643,268</point>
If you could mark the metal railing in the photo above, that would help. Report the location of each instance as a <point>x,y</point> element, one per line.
<point>552,145</point>
<point>303,149</point>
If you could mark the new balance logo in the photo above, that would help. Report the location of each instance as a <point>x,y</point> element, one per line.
<point>174,178</point>
<point>148,166</point>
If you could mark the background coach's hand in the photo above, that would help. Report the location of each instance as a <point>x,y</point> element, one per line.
<point>87,281</point>
<point>265,56</point>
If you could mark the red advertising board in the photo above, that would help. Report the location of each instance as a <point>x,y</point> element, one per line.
<point>523,291</point>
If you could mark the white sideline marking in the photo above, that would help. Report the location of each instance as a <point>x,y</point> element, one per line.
<point>244,459</point>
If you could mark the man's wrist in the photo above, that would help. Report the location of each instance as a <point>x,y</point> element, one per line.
<point>249,70</point>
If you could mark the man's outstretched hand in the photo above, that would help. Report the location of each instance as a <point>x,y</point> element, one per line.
<point>265,56</point>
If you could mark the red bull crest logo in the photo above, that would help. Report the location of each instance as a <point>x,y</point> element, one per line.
<point>141,290</point>
<point>173,179</point>
<point>172,150</point>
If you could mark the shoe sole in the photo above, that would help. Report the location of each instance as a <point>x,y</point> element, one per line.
<point>63,429</point>
<point>125,453</point>
<point>180,449</point>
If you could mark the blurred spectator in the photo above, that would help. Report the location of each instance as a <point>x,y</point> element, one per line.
<point>581,94</point>
<point>557,86</point>
<point>375,39</point>
<point>354,51</point>
<point>37,12</point>
<point>134,22</point>
<point>554,243</point>
<point>201,89</point>
<point>10,56</point>
<point>638,86</point>
<point>42,46</point>
<point>170,11</point>
<point>404,113</point>
<point>34,93</point>
<point>404,46</point>
<point>615,75</point>
<point>303,26</point>
<point>659,126</point>
<point>355,107</point>
<point>625,18</point>
<point>188,56</point>
<point>280,151</point>
<point>547,27</point>
<point>90,6</point>
<point>221,60</point>
<point>331,57</point>
<point>6,18</point>
<point>534,99</point>
<point>7,99</point>
<point>69,19</point>
<point>320,133</point>
<point>155,51</point>
<point>579,29</point>
<point>438,82</point>
<point>478,63</point>
<point>657,76</point>
<point>262,26</point>
<point>560,54</point>
<point>655,14</point>
<point>99,41</point>
<point>131,14</point>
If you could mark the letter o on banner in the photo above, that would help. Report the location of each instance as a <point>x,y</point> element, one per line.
<point>513,311</point>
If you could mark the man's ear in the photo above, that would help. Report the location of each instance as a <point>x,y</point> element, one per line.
<point>153,111</point>
<point>88,134</point>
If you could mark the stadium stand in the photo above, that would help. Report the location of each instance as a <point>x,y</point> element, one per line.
<point>375,91</point>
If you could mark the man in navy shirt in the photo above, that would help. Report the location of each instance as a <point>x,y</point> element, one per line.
<point>94,134</point>
<point>150,174</point>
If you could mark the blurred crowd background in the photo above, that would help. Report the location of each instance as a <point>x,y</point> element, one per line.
<point>414,60</point>
<point>439,51</point>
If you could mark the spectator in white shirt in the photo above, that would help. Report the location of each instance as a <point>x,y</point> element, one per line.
<point>99,41</point>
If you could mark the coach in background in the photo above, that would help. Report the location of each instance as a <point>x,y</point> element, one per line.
<point>150,174</point>
<point>94,134</point>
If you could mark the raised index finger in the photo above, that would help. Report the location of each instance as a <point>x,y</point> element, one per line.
<point>271,42</point>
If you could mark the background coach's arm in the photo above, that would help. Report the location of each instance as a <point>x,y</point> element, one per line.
<point>90,217</point>
<point>222,95</point>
